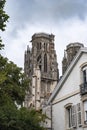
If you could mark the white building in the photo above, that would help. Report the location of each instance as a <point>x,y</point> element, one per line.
<point>69,98</point>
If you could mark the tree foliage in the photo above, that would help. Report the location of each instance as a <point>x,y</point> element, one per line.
<point>13,87</point>
<point>12,82</point>
<point>3,16</point>
<point>3,19</point>
<point>22,119</point>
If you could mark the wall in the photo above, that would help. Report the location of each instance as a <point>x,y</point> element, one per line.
<point>69,93</point>
<point>58,112</point>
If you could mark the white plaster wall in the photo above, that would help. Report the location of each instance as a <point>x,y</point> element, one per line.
<point>74,79</point>
<point>58,112</point>
<point>71,85</point>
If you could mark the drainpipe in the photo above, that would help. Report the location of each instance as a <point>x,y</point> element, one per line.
<point>51,116</point>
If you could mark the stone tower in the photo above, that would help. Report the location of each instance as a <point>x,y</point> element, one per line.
<point>40,65</point>
<point>69,54</point>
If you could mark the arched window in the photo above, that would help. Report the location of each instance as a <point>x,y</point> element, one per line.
<point>45,63</point>
<point>45,46</point>
<point>39,46</point>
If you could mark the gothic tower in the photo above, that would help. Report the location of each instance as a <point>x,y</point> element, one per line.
<point>69,54</point>
<point>40,65</point>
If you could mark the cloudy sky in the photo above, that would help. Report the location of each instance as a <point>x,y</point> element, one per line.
<point>66,19</point>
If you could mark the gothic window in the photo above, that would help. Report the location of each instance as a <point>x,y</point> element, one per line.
<point>39,59</point>
<point>45,63</point>
<point>45,46</point>
<point>39,45</point>
<point>40,67</point>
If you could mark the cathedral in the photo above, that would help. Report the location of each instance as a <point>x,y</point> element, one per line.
<point>40,65</point>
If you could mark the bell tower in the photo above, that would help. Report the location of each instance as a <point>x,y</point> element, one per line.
<point>43,56</point>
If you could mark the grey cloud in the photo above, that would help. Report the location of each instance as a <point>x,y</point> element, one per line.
<point>72,8</point>
<point>43,11</point>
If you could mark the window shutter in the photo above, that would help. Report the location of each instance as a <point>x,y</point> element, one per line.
<point>74,124</point>
<point>79,114</point>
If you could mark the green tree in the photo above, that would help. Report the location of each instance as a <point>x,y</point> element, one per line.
<point>3,16</point>
<point>12,82</point>
<point>3,19</point>
<point>13,87</point>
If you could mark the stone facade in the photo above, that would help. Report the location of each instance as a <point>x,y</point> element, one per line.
<point>69,54</point>
<point>40,65</point>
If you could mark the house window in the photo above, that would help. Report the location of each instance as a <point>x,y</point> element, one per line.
<point>85,111</point>
<point>69,115</point>
<point>71,121</point>
<point>83,86</point>
<point>85,74</point>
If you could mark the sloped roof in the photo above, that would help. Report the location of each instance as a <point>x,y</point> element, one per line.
<point>66,74</point>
